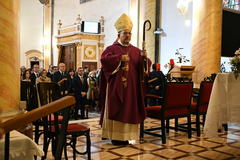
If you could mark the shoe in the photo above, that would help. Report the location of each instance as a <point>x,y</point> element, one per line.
<point>77,118</point>
<point>119,143</point>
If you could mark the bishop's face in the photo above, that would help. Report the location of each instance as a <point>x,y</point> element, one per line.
<point>125,36</point>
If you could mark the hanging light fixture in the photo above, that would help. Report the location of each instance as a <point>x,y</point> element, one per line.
<point>182,6</point>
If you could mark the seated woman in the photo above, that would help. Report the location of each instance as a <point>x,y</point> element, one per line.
<point>43,77</point>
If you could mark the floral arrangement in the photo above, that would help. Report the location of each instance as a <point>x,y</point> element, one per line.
<point>235,62</point>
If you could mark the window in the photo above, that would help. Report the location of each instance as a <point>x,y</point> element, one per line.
<point>83,1</point>
<point>233,4</point>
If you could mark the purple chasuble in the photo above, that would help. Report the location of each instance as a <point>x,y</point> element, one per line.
<point>125,104</point>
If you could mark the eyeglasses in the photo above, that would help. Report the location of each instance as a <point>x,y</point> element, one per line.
<point>125,33</point>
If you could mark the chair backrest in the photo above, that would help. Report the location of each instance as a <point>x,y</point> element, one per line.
<point>211,78</point>
<point>47,92</point>
<point>56,123</point>
<point>177,95</point>
<point>204,93</point>
<point>26,91</point>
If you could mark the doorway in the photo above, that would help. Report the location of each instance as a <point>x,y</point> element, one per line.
<point>68,56</point>
<point>32,63</point>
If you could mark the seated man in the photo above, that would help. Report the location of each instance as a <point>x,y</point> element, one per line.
<point>156,83</point>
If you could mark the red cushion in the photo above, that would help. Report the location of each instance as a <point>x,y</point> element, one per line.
<point>154,111</point>
<point>202,109</point>
<point>73,127</point>
<point>176,112</point>
<point>60,118</point>
<point>152,96</point>
<point>76,127</point>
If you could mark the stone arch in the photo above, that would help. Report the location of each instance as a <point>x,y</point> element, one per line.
<point>34,56</point>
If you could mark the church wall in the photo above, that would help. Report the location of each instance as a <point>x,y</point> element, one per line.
<point>31,27</point>
<point>67,11</point>
<point>178,34</point>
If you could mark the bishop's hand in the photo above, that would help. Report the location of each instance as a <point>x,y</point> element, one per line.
<point>125,58</point>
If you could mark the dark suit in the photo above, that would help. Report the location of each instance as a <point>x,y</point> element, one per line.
<point>78,87</point>
<point>58,76</point>
<point>159,82</point>
<point>34,99</point>
<point>70,84</point>
<point>33,78</point>
<point>50,75</point>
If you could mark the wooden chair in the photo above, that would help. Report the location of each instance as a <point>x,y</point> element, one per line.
<point>200,107</point>
<point>26,93</point>
<point>73,132</point>
<point>176,104</point>
<point>49,92</point>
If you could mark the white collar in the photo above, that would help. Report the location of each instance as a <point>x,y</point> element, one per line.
<point>125,45</point>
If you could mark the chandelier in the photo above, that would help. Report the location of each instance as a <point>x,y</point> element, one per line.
<point>182,6</point>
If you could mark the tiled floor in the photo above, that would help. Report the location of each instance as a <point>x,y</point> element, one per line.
<point>225,146</point>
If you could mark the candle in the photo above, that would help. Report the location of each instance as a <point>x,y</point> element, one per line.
<point>171,62</point>
<point>158,67</point>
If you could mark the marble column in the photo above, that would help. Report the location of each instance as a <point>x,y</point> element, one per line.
<point>9,57</point>
<point>78,54</point>
<point>100,51</point>
<point>47,34</point>
<point>149,14</point>
<point>206,38</point>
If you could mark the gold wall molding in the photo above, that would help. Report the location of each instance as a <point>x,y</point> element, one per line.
<point>78,44</point>
<point>90,52</point>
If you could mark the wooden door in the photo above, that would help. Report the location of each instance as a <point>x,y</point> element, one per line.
<point>90,65</point>
<point>68,56</point>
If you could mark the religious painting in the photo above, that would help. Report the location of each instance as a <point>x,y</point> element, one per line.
<point>90,52</point>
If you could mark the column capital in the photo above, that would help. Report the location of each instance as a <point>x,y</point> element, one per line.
<point>78,44</point>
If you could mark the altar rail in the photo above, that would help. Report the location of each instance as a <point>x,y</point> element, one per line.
<point>26,118</point>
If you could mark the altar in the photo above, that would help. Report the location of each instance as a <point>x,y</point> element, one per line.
<point>224,104</point>
<point>21,147</point>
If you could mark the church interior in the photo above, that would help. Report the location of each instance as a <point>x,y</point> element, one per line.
<point>55,88</point>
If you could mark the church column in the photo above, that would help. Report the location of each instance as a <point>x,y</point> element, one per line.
<point>47,33</point>
<point>78,54</point>
<point>100,51</point>
<point>149,13</point>
<point>9,57</point>
<point>206,38</point>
